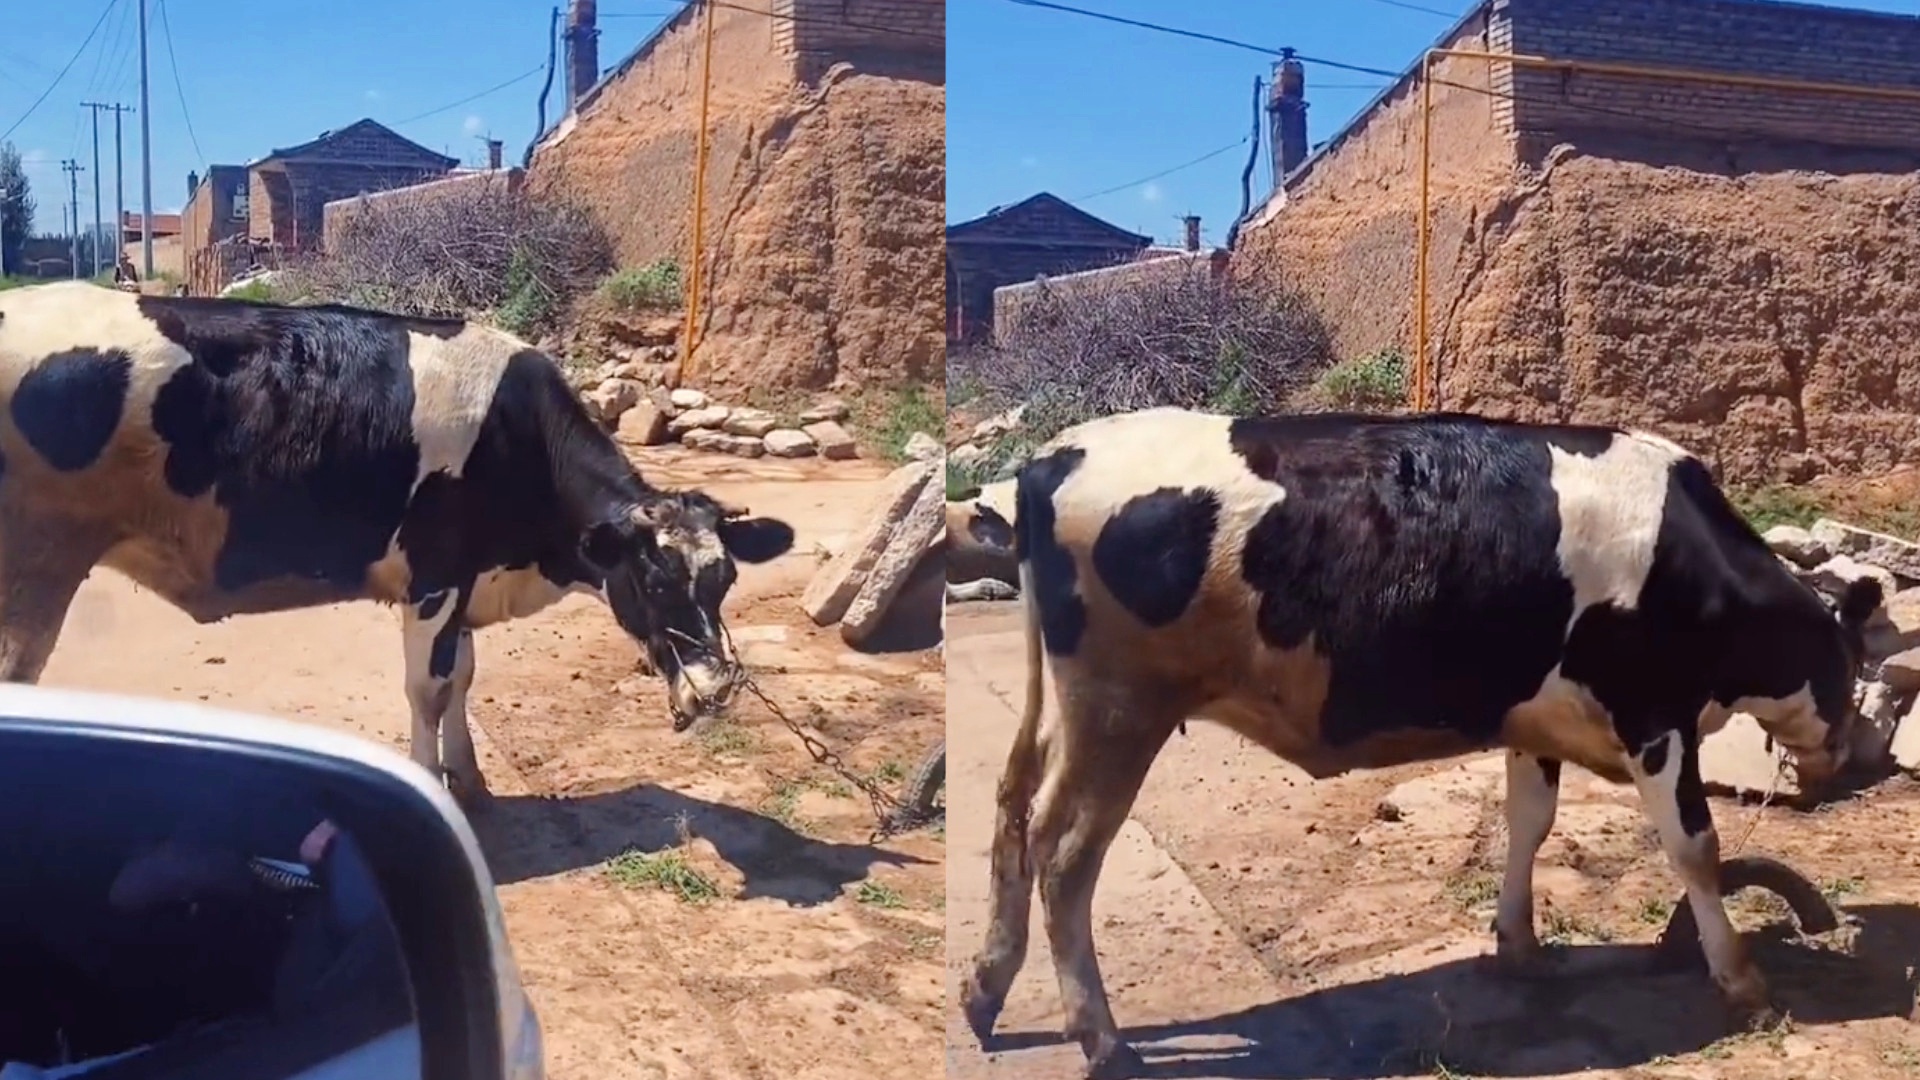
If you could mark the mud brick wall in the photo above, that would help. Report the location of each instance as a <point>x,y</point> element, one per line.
<point>902,38</point>
<point>1745,37</point>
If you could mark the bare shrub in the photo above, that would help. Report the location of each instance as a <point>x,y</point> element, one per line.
<point>1194,340</point>
<point>472,250</point>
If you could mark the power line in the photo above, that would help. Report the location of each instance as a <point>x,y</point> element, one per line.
<point>166,32</point>
<point>75,58</point>
<point>522,77</point>
<point>1208,156</point>
<point>1264,50</point>
<point>1404,6</point>
<point>877,28</point>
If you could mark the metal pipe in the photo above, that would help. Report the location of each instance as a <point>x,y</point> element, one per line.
<point>694,276</point>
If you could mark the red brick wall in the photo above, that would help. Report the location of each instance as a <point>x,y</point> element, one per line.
<point>904,37</point>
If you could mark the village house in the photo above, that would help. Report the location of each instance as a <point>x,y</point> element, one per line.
<point>1039,235</point>
<point>288,189</point>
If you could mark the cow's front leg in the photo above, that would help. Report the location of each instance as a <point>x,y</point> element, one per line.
<point>432,629</point>
<point>463,767</point>
<point>1667,773</point>
<point>1533,798</point>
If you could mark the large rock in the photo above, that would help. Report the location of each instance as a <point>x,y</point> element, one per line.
<point>611,399</point>
<point>1876,549</point>
<point>1873,732</point>
<point>1797,545</point>
<point>643,425</point>
<point>1905,749</point>
<point>917,531</point>
<point>832,439</point>
<point>923,447</point>
<point>836,584</point>
<point>1902,671</point>
<point>1833,576</point>
<point>741,445</point>
<point>1896,628</point>
<point>687,398</point>
<point>965,456</point>
<point>828,409</point>
<point>708,439</point>
<point>788,443</point>
<point>710,416</point>
<point>754,422</point>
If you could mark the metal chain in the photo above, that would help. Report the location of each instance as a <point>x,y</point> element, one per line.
<point>886,808</point>
<point>1753,818</point>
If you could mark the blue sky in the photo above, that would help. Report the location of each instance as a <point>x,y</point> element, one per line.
<point>1041,100</point>
<point>270,73</point>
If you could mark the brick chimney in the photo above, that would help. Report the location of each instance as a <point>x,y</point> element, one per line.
<point>493,153</point>
<point>193,183</point>
<point>583,50</point>
<point>1287,116</point>
<point>1192,222</point>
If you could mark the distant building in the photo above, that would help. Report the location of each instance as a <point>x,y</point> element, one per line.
<point>288,189</point>
<point>1042,234</point>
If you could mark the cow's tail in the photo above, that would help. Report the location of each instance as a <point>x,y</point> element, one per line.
<point>1022,776</point>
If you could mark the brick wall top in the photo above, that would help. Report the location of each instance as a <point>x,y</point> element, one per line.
<point>855,26</point>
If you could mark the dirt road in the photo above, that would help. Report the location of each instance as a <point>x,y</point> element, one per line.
<point>681,906</point>
<point>1253,923</point>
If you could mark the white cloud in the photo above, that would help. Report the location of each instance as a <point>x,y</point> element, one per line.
<point>1150,192</point>
<point>373,95</point>
<point>474,125</point>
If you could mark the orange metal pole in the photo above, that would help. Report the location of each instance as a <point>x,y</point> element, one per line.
<point>1420,243</point>
<point>695,280</point>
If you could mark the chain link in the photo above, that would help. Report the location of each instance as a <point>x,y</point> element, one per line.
<point>886,808</point>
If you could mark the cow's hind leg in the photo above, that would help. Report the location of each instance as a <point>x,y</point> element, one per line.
<point>1533,799</point>
<point>40,571</point>
<point>463,766</point>
<point>1093,773</point>
<point>432,629</point>
<point>1667,773</point>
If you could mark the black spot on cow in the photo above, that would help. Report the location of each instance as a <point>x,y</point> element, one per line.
<point>1152,553</point>
<point>430,606</point>
<point>1421,559</point>
<point>68,406</point>
<point>987,527</point>
<point>300,422</point>
<point>1063,615</point>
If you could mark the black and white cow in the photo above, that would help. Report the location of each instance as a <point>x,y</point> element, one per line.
<point>1359,592</point>
<point>239,458</point>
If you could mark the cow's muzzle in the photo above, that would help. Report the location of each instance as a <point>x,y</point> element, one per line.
<point>702,688</point>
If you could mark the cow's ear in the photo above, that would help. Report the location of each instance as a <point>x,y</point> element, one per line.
<point>606,543</point>
<point>756,540</point>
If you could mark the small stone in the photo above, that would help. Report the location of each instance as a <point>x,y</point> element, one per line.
<point>687,398</point>
<point>705,439</point>
<point>755,422</point>
<point>923,447</point>
<point>1902,557</point>
<point>741,445</point>
<point>788,443</point>
<point>711,416</point>
<point>832,439</point>
<point>1873,732</point>
<point>995,426</point>
<point>626,369</point>
<point>1905,747</point>
<point>1797,545</point>
<point>826,409</point>
<point>1902,671</point>
<point>663,329</point>
<point>643,425</point>
<point>965,456</point>
<point>1897,626</point>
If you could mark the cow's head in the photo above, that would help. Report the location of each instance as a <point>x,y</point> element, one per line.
<point>668,564</point>
<point>1835,703</point>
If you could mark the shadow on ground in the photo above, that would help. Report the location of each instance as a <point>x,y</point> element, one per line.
<point>518,834</point>
<point>1475,1022</point>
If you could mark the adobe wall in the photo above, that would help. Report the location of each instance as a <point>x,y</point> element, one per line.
<point>1346,233</point>
<point>824,199</point>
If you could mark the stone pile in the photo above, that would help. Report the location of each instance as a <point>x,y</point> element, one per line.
<point>1827,556</point>
<point>979,444</point>
<point>641,412</point>
<point>871,570</point>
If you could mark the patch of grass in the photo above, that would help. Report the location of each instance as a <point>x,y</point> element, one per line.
<point>1229,393</point>
<point>874,894</point>
<point>1472,889</point>
<point>528,304</point>
<point>666,870</point>
<point>1839,887</point>
<point>888,772</point>
<point>1655,911</point>
<point>655,286</point>
<point>891,419</point>
<point>1377,380</point>
<point>257,291</point>
<point>784,804</point>
<point>1563,928</point>
<point>1778,504</point>
<point>724,737</point>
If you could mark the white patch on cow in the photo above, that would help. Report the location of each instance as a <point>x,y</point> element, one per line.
<point>38,321</point>
<point>1611,506</point>
<point>502,595</point>
<point>424,691</point>
<point>1132,454</point>
<point>454,380</point>
<point>1532,804</point>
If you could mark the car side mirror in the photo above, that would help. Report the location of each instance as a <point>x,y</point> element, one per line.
<point>193,892</point>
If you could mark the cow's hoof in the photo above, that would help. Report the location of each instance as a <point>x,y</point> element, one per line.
<point>982,1010</point>
<point>1117,1061</point>
<point>1531,962</point>
<point>470,793</point>
<point>1752,1017</point>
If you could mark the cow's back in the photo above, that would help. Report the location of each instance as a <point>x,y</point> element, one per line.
<point>1415,574</point>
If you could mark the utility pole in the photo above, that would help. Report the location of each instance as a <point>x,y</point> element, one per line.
<point>3,233</point>
<point>119,194</point>
<point>146,157</point>
<point>73,170</point>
